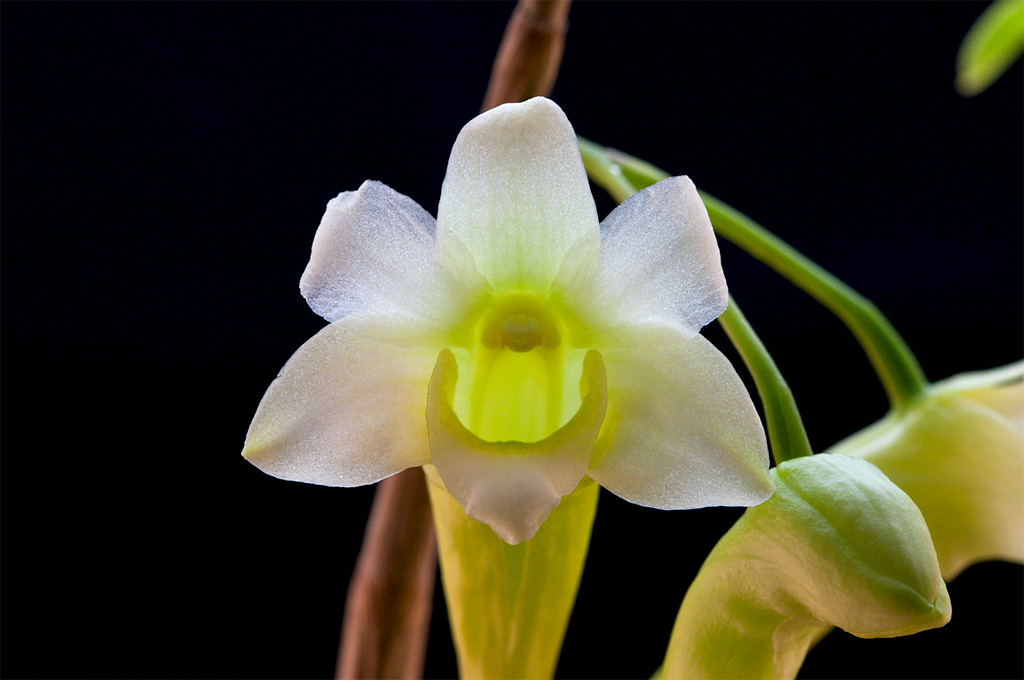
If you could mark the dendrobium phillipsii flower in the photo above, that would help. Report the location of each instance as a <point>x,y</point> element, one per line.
<point>959,453</point>
<point>515,344</point>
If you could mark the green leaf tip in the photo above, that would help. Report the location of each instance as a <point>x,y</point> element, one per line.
<point>991,45</point>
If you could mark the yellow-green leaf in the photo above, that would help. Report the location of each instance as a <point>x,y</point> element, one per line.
<point>991,45</point>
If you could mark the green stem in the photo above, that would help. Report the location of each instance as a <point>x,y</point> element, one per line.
<point>785,427</point>
<point>607,173</point>
<point>895,364</point>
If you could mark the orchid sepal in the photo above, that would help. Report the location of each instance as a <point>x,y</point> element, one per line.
<point>509,605</point>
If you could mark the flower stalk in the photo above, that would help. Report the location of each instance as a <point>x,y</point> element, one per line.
<point>896,366</point>
<point>786,431</point>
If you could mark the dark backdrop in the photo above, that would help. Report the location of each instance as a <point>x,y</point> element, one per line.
<point>165,167</point>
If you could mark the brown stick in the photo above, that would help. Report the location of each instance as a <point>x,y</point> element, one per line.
<point>530,52</point>
<point>390,597</point>
<point>387,612</point>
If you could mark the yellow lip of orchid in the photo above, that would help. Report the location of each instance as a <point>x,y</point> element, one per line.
<point>559,348</point>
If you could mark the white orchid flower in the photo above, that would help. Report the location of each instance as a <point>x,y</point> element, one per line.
<point>515,344</point>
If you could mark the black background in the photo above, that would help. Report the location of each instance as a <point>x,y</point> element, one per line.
<point>165,167</point>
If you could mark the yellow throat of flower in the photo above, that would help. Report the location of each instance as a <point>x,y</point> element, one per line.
<point>521,375</point>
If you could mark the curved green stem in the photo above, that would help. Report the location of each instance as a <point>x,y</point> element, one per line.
<point>895,364</point>
<point>785,426</point>
<point>607,173</point>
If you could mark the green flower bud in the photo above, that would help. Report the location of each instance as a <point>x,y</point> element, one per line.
<point>959,453</point>
<point>837,545</point>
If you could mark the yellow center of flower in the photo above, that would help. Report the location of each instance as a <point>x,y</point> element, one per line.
<point>520,380</point>
<point>520,322</point>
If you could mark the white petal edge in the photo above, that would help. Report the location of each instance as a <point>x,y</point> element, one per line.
<point>374,255</point>
<point>512,486</point>
<point>344,411</point>
<point>516,194</point>
<point>660,266</point>
<point>681,430</point>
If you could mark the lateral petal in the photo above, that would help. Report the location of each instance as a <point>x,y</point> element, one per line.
<point>660,265</point>
<point>374,255</point>
<point>681,430</point>
<point>516,195</point>
<point>344,411</point>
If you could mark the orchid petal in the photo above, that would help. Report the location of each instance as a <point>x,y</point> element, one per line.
<point>374,255</point>
<point>512,486</point>
<point>681,430</point>
<point>344,411</point>
<point>660,264</point>
<point>516,195</point>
